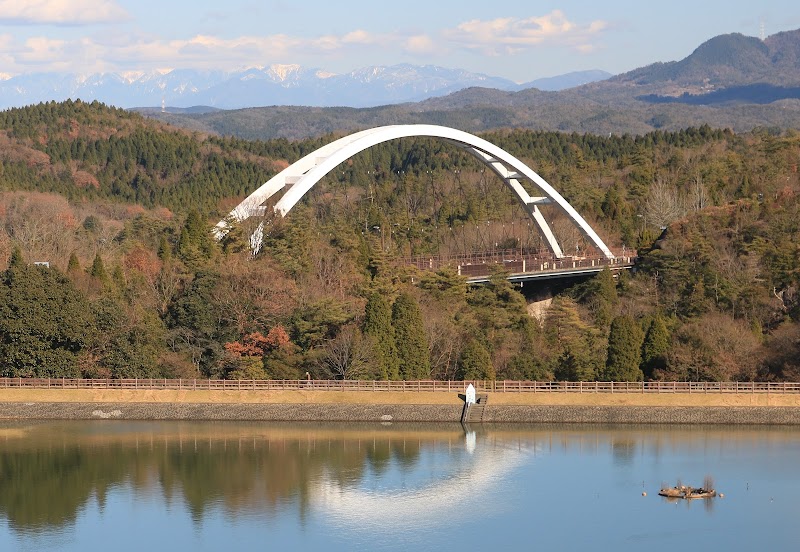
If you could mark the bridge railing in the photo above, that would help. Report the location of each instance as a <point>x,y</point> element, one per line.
<point>499,386</point>
<point>518,261</point>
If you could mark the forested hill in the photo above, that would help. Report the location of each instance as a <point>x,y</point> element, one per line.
<point>96,152</point>
<point>121,208</point>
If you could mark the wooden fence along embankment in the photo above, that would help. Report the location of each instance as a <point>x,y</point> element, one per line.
<point>502,386</point>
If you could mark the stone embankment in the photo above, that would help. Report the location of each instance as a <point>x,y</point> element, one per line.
<point>676,408</point>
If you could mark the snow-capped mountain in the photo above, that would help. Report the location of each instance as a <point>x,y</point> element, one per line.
<point>250,87</point>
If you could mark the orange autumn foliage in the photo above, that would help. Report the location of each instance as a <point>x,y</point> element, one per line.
<point>256,344</point>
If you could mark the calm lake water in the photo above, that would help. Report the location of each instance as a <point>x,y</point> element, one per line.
<point>112,485</point>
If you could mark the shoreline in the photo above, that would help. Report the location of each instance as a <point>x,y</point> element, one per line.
<point>347,406</point>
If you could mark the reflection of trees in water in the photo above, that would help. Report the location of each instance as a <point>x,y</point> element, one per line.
<point>623,451</point>
<point>406,451</point>
<point>43,488</point>
<point>47,479</point>
<point>379,457</point>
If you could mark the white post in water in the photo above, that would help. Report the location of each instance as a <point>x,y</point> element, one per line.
<point>470,394</point>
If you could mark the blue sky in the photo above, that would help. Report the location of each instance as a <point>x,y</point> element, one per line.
<point>517,39</point>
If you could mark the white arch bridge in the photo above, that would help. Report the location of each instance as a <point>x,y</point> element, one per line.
<point>303,174</point>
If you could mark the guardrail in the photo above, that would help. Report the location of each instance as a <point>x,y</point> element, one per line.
<point>500,386</point>
<point>518,262</point>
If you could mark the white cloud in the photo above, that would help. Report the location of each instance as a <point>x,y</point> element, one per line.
<point>327,43</point>
<point>122,52</point>
<point>6,54</point>
<point>420,45</point>
<point>114,50</point>
<point>359,37</point>
<point>511,35</point>
<point>61,12</point>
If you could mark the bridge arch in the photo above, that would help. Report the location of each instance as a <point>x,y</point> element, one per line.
<point>303,174</point>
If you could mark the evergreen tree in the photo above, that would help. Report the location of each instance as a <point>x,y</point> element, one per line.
<point>164,249</point>
<point>575,364</point>
<point>606,286</point>
<point>127,342</point>
<point>578,344</point>
<point>378,326</point>
<point>655,347</point>
<point>624,351</point>
<point>475,362</point>
<point>410,338</point>
<point>604,298</point>
<point>694,301</point>
<point>16,260</point>
<point>196,244</point>
<point>45,323</point>
<point>118,277</point>
<point>194,319</point>
<point>73,265</point>
<point>98,269</point>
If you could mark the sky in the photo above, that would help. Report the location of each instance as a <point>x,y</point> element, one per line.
<point>520,40</point>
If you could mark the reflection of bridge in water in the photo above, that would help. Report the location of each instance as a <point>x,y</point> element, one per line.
<point>521,266</point>
<point>449,490</point>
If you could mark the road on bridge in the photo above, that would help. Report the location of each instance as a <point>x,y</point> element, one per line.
<point>522,266</point>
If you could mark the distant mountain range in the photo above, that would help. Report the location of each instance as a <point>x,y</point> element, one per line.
<point>265,86</point>
<point>730,81</point>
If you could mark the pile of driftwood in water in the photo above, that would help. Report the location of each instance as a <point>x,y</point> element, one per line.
<point>685,491</point>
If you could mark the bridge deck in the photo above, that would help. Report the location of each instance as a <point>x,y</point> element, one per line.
<point>521,266</point>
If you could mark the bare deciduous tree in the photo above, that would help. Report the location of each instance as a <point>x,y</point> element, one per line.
<point>348,355</point>
<point>664,204</point>
<point>444,348</point>
<point>41,224</point>
<point>698,194</point>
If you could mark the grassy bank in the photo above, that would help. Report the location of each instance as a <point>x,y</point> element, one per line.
<point>394,398</point>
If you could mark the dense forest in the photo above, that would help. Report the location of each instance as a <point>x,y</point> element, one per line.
<point>121,210</point>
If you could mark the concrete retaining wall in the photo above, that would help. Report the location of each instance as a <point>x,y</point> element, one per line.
<point>399,413</point>
<point>644,414</point>
<point>251,411</point>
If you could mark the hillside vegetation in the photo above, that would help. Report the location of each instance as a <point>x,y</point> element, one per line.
<point>600,110</point>
<point>121,208</point>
